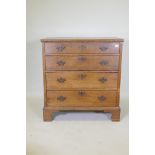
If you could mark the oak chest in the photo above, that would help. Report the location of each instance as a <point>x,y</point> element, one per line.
<point>82,74</point>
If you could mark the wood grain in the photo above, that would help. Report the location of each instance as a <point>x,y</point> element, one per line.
<point>81,47</point>
<point>80,62</point>
<point>82,98</point>
<point>82,74</point>
<point>84,39</point>
<point>44,69</point>
<point>90,80</point>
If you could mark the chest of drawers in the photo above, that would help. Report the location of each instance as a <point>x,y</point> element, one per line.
<point>81,74</point>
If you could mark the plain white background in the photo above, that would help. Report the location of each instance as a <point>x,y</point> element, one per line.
<point>73,18</point>
<point>142,33</point>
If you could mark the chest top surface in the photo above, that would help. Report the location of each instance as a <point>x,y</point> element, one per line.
<point>105,39</point>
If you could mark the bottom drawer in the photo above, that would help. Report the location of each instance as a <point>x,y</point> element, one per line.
<point>82,98</point>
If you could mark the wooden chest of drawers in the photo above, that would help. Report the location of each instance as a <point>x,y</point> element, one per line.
<point>82,74</point>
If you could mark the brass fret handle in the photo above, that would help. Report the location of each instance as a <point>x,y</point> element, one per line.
<point>61,80</point>
<point>60,48</point>
<point>104,62</point>
<point>61,98</point>
<point>101,98</point>
<point>82,59</point>
<point>82,76</point>
<point>82,93</point>
<point>61,63</point>
<point>103,48</point>
<point>103,79</point>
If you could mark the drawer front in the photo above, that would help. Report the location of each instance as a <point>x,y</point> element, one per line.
<point>81,47</point>
<point>81,79</point>
<point>82,98</point>
<point>81,62</point>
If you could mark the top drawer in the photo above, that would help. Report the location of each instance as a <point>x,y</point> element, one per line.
<point>81,47</point>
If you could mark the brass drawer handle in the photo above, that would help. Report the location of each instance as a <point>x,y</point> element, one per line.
<point>103,79</point>
<point>103,48</point>
<point>82,93</point>
<point>82,47</point>
<point>101,98</point>
<point>61,63</point>
<point>60,48</point>
<point>82,76</point>
<point>82,59</point>
<point>61,98</point>
<point>61,80</point>
<point>104,62</point>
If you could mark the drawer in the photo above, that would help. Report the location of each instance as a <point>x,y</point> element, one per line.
<point>81,62</point>
<point>82,98</point>
<point>81,47</point>
<point>59,80</point>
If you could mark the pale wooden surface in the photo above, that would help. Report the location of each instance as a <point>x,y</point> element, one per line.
<point>80,62</point>
<point>81,47</point>
<point>110,39</point>
<point>88,98</point>
<point>72,79</point>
